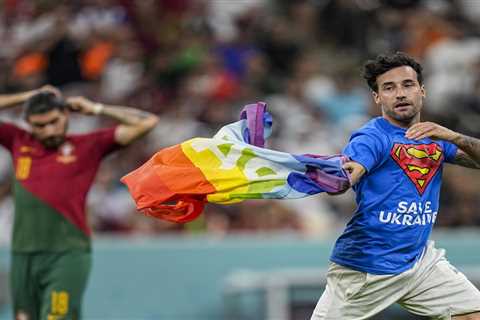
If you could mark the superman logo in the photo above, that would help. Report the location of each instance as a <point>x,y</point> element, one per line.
<point>420,162</point>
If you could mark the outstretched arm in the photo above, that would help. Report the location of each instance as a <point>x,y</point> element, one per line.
<point>11,100</point>
<point>468,154</point>
<point>134,123</point>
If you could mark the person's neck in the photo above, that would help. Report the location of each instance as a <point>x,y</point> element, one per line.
<point>402,124</point>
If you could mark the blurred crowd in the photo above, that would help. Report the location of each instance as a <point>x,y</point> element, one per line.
<point>196,63</point>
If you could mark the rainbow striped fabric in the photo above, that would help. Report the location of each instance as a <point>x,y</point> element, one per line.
<point>231,167</point>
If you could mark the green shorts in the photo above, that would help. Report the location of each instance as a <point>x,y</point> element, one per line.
<point>49,286</point>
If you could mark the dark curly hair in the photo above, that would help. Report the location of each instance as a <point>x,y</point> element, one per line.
<point>43,102</point>
<point>385,62</point>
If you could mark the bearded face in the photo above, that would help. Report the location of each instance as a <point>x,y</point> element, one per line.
<point>49,128</point>
<point>400,95</point>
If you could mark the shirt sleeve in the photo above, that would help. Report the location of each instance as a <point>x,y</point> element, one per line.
<point>450,151</point>
<point>104,141</point>
<point>8,132</point>
<point>365,149</point>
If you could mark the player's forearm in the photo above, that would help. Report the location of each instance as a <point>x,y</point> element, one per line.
<point>471,146</point>
<point>11,100</point>
<point>134,123</point>
<point>129,116</point>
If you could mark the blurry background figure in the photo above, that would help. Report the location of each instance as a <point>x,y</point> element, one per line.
<point>195,63</point>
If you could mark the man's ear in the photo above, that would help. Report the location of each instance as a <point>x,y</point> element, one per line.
<point>376,98</point>
<point>424,92</point>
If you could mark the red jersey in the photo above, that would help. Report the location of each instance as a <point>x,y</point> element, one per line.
<point>51,186</point>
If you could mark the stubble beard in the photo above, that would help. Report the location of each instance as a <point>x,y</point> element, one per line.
<point>53,142</point>
<point>403,117</point>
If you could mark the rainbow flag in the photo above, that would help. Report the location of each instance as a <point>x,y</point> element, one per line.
<point>231,167</point>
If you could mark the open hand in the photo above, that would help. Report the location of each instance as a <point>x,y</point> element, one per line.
<point>431,130</point>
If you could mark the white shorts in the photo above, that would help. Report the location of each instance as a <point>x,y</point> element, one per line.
<point>432,288</point>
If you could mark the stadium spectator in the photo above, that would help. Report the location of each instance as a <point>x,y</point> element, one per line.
<point>197,62</point>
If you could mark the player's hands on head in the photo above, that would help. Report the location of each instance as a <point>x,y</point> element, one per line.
<point>431,130</point>
<point>51,89</point>
<point>82,105</point>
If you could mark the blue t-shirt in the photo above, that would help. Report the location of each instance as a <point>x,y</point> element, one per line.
<point>397,198</point>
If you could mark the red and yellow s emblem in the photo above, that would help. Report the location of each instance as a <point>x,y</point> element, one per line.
<point>420,162</point>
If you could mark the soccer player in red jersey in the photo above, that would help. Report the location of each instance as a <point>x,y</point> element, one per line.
<point>51,256</point>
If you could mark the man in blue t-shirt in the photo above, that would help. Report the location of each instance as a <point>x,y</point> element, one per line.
<point>384,255</point>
